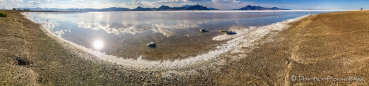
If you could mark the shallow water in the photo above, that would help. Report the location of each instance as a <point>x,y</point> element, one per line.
<point>176,33</point>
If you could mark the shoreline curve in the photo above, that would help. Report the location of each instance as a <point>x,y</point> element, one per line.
<point>252,35</point>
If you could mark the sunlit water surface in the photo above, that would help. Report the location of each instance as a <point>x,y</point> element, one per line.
<point>125,34</point>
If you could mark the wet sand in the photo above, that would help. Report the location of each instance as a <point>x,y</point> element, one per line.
<point>332,45</point>
<point>323,49</point>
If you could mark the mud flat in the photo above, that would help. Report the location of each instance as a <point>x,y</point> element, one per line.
<point>330,45</point>
<point>322,49</point>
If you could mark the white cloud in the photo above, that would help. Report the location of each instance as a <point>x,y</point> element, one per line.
<point>36,3</point>
<point>10,1</point>
<point>225,1</point>
<point>135,1</point>
<point>194,0</point>
<point>16,1</point>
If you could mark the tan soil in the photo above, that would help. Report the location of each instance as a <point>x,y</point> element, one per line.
<point>333,45</point>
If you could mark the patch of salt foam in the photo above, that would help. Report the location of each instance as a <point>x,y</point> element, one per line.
<point>243,38</point>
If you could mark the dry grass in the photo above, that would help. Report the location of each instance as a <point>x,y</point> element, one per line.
<point>3,14</point>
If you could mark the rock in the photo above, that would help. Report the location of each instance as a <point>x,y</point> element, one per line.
<point>152,44</point>
<point>230,33</point>
<point>203,30</point>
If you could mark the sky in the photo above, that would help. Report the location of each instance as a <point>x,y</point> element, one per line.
<point>220,4</point>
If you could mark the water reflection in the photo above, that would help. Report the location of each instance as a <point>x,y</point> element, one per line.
<point>168,30</point>
<point>98,44</point>
<point>134,28</point>
<point>126,34</point>
<point>59,33</point>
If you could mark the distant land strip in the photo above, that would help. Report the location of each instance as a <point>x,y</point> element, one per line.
<point>139,8</point>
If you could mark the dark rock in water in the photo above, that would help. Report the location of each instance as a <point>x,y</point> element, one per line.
<point>203,30</point>
<point>230,33</point>
<point>152,44</point>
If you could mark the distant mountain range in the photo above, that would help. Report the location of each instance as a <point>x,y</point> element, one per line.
<point>185,7</point>
<point>249,7</point>
<point>139,8</point>
<point>76,9</point>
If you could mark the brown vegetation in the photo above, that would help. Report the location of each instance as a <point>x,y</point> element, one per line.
<point>3,14</point>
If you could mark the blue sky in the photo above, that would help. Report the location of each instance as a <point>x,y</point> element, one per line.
<point>222,4</point>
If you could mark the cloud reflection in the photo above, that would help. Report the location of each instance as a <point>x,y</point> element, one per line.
<point>59,33</point>
<point>166,24</point>
<point>168,30</point>
<point>134,28</point>
<point>124,28</point>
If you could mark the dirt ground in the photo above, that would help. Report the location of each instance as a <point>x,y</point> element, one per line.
<point>323,49</point>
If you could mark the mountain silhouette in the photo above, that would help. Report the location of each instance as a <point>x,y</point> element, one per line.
<point>138,8</point>
<point>197,7</point>
<point>249,7</point>
<point>185,7</point>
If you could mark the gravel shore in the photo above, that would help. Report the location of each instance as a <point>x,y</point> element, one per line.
<point>322,49</point>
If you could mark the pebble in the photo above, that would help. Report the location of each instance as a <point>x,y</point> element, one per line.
<point>230,33</point>
<point>203,30</point>
<point>152,44</point>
